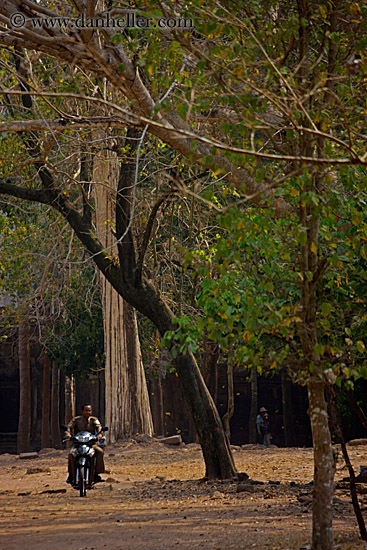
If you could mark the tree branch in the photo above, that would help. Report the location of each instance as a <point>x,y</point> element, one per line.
<point>85,177</point>
<point>34,195</point>
<point>146,237</point>
<point>125,211</point>
<point>36,125</point>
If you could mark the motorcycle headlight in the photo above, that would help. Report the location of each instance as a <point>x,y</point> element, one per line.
<point>83,437</point>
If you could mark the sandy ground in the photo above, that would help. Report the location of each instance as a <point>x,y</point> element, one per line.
<point>154,497</point>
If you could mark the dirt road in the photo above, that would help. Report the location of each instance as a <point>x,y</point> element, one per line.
<point>154,498</point>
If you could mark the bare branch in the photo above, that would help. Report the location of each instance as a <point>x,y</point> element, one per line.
<point>168,133</point>
<point>147,234</point>
<point>62,124</point>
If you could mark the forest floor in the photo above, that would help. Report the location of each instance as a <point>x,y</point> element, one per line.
<point>155,498</point>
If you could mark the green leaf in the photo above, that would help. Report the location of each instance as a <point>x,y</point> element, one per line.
<point>360,346</point>
<point>326,308</point>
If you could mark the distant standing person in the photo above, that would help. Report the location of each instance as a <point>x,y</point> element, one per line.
<point>263,427</point>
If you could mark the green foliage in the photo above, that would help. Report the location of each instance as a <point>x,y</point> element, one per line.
<point>182,340</point>
<point>63,302</point>
<point>76,340</point>
<point>251,281</point>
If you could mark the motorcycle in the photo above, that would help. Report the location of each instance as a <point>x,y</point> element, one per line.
<point>83,454</point>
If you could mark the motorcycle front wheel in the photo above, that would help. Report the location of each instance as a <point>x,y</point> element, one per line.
<point>82,482</point>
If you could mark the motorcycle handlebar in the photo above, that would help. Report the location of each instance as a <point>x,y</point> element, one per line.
<point>73,437</point>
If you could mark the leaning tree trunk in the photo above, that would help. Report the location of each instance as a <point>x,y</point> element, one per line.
<point>24,425</point>
<point>127,279</point>
<point>217,454</point>
<point>127,400</point>
<point>45,426</point>
<point>142,293</point>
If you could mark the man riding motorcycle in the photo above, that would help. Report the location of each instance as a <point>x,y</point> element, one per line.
<point>85,422</point>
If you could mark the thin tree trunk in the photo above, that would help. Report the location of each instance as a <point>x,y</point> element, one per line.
<point>352,477</point>
<point>127,400</point>
<point>209,366</point>
<point>55,404</point>
<point>24,425</point>
<point>288,416</point>
<point>69,399</point>
<point>357,409</point>
<point>160,384</point>
<point>254,406</point>
<point>192,433</point>
<point>324,469</point>
<point>45,427</point>
<point>230,405</point>
<point>34,402</point>
<point>214,381</point>
<point>158,405</point>
<point>324,463</point>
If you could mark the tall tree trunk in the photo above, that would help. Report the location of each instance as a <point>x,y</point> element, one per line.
<point>288,416</point>
<point>45,426</point>
<point>324,463</point>
<point>254,406</point>
<point>127,401</point>
<point>55,410</point>
<point>69,398</point>
<point>24,425</point>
